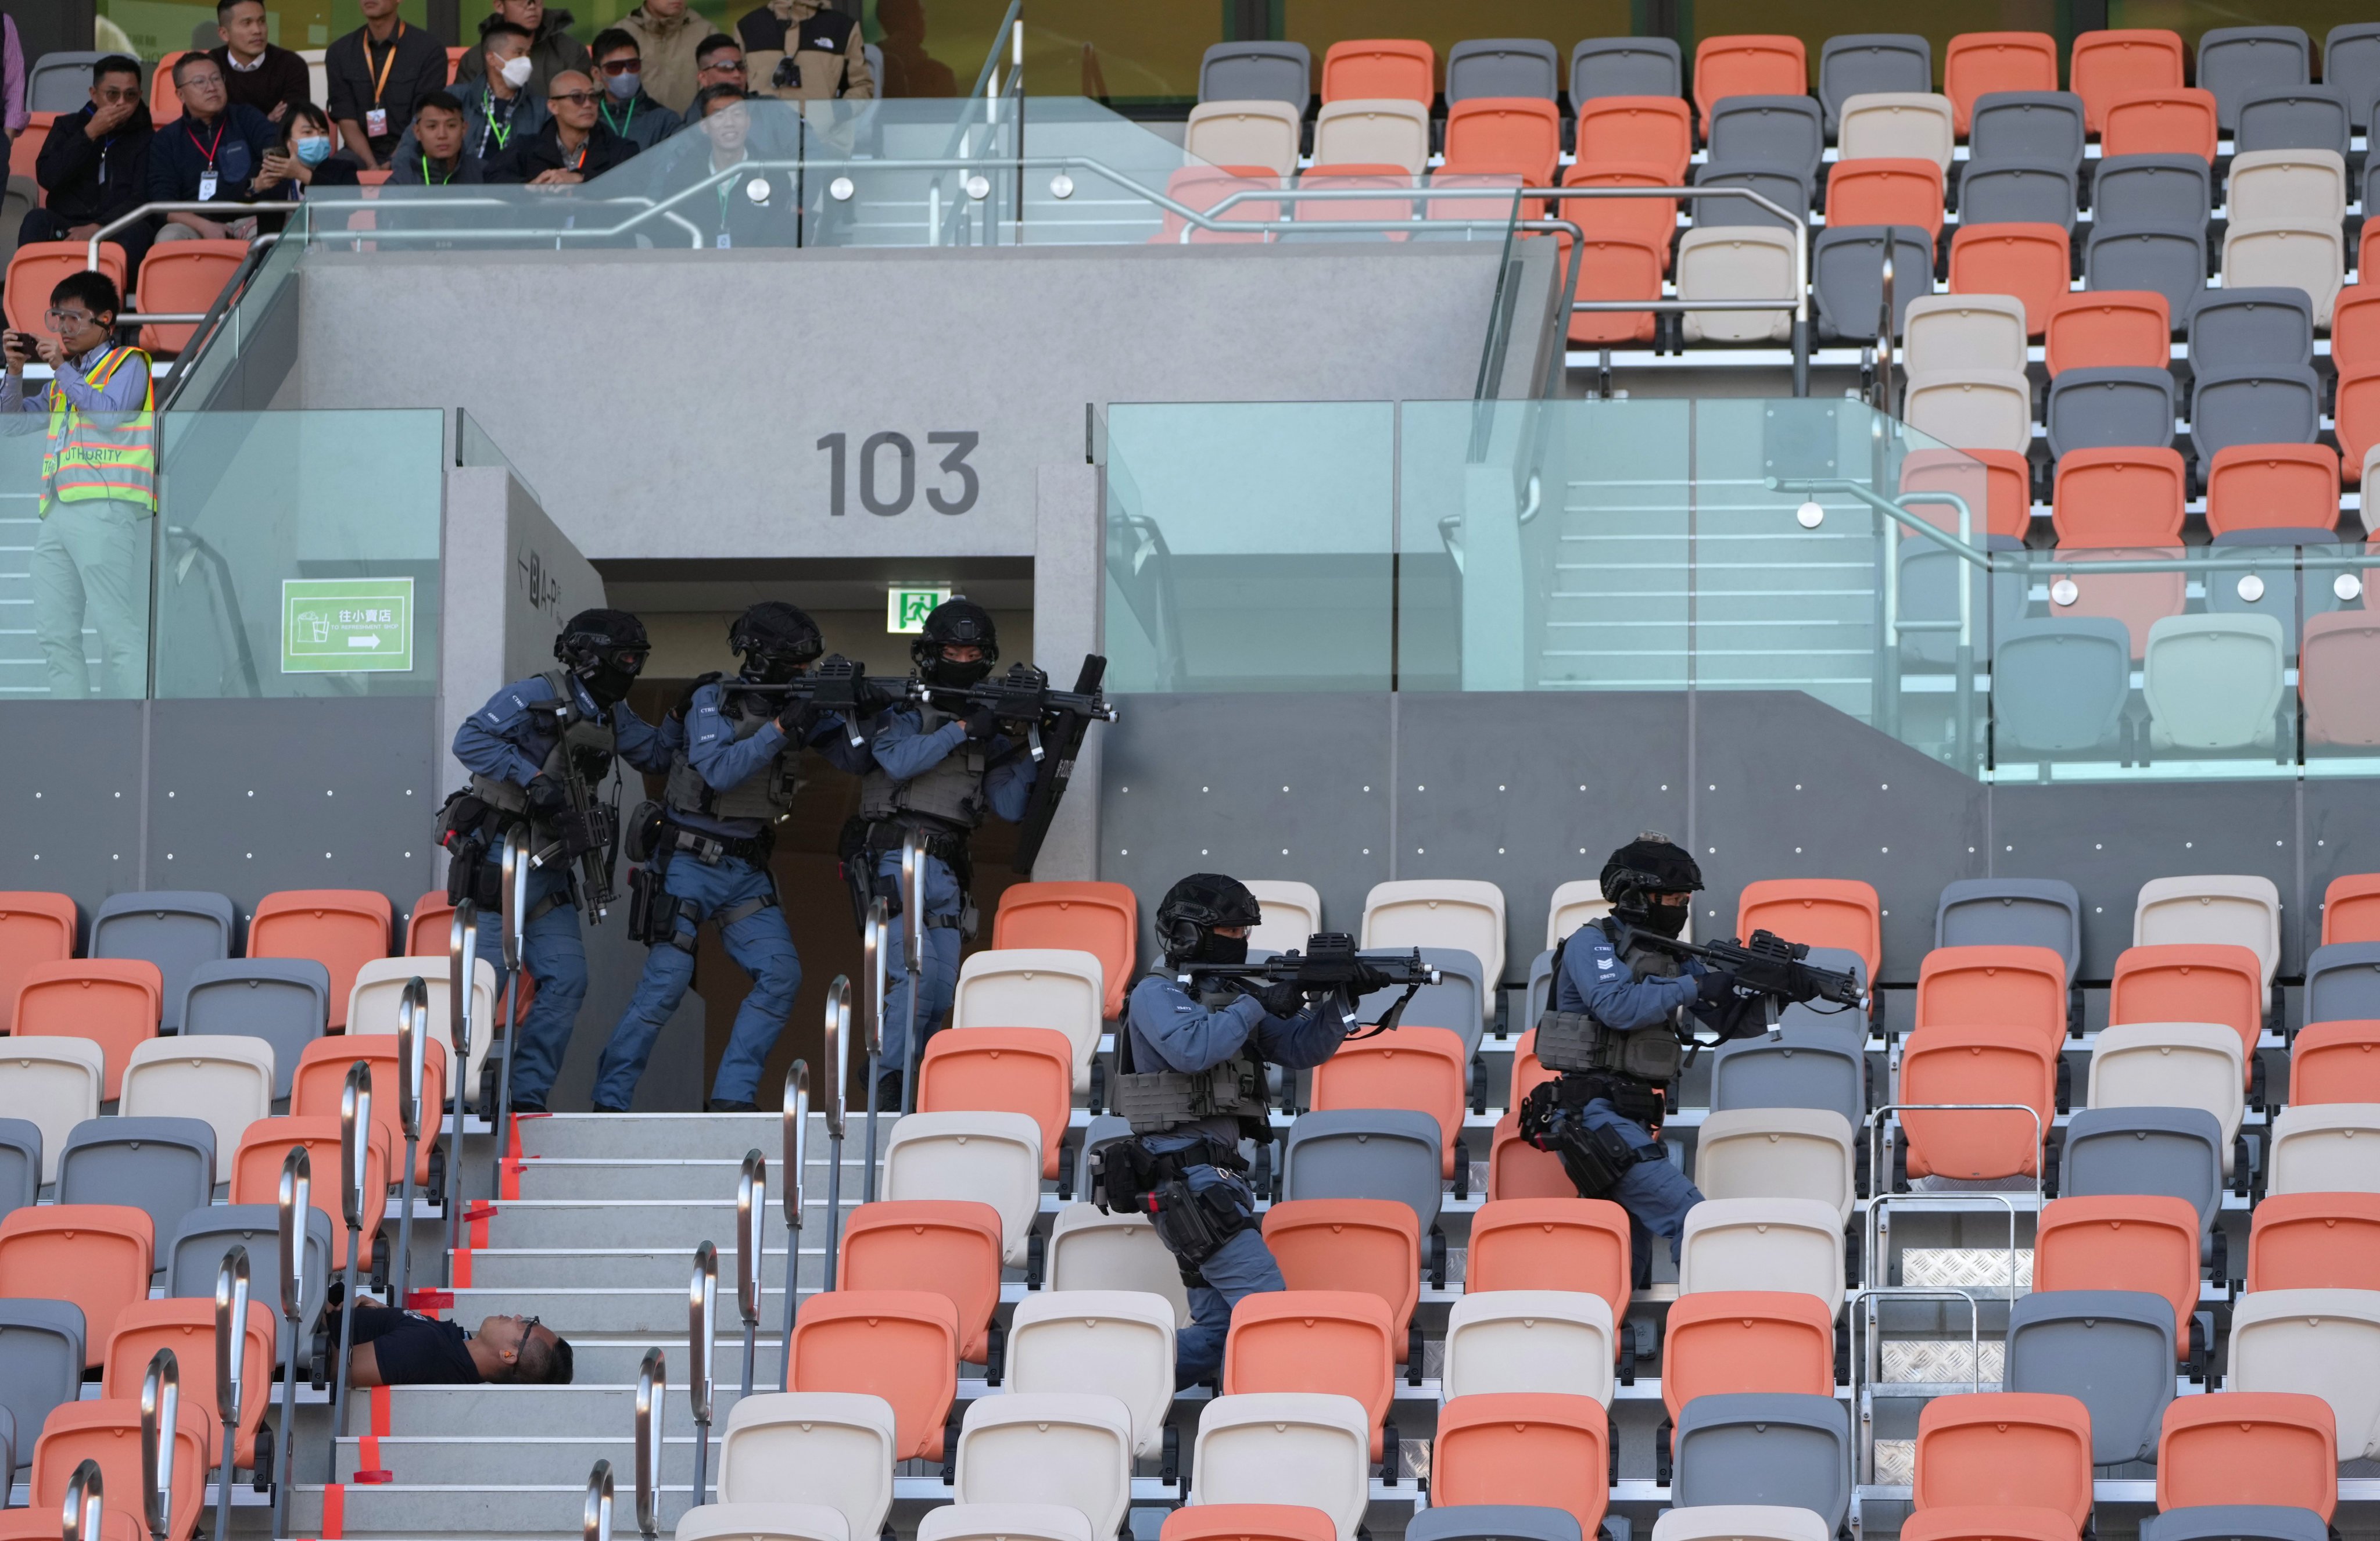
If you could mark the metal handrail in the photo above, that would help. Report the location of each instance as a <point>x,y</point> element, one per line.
<point>462,985</point>
<point>161,1406</point>
<point>836,1049</point>
<point>913,961</point>
<point>1883,333</point>
<point>171,206</point>
<point>231,1367</point>
<point>796,1142</point>
<point>1864,1451</point>
<point>86,1503</point>
<point>515,869</point>
<point>872,941</point>
<point>703,1326</point>
<point>1876,1205</point>
<point>595,1524</point>
<point>296,1203</point>
<point>751,1210</point>
<point>652,1386</point>
<point>355,1135</point>
<point>412,1055</point>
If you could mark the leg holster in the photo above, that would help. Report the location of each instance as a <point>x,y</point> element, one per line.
<point>1594,1157</point>
<point>1194,1223</point>
<point>653,910</point>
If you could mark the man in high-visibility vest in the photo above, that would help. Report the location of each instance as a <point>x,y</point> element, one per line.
<point>99,488</point>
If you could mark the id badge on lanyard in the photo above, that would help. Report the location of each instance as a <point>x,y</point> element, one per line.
<point>375,122</point>
<point>207,183</point>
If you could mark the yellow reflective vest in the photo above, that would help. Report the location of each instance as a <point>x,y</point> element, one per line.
<point>89,456</point>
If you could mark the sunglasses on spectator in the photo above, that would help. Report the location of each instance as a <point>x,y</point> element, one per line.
<point>728,66</point>
<point>119,93</point>
<point>628,65</point>
<point>583,98</point>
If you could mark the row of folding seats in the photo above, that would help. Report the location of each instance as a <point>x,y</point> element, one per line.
<point>176,277</point>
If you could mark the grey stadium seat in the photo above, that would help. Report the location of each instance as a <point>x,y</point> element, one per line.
<point>1102,1128</point>
<point>177,931</point>
<point>1365,1153</point>
<point>1847,276</point>
<point>2151,192</point>
<point>164,1165</point>
<point>2170,260</point>
<point>195,1251</point>
<point>2058,686</point>
<point>1765,1448</point>
<point>1454,1004</point>
<point>2112,1350</point>
<point>2115,405</point>
<point>1256,71</point>
<point>1846,1023</point>
<point>1785,132</point>
<point>2342,982</point>
<point>1493,1521</point>
<point>1855,64</point>
<point>2301,117</point>
<point>60,81</point>
<point>2173,1152</point>
<point>20,1164</point>
<point>1502,66</point>
<point>1929,593</point>
<point>1787,189</point>
<point>1793,1067</point>
<point>2350,61</point>
<point>41,1357</point>
<point>2281,405</point>
<point>2250,329</point>
<point>1624,67</point>
<point>2236,63</point>
<point>285,1001</point>
<point>1541,985</point>
<point>2235,1522</point>
<point>2040,126</point>
<point>2016,192</point>
<point>2011,912</point>
<point>8,1448</point>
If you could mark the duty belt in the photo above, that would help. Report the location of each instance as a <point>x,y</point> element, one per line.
<point>711,849</point>
<point>947,846</point>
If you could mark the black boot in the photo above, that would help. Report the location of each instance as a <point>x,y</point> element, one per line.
<point>888,1094</point>
<point>728,1105</point>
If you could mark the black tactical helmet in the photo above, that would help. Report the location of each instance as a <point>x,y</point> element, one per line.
<point>1649,864</point>
<point>775,640</point>
<point>1195,906</point>
<point>607,641</point>
<point>957,622</point>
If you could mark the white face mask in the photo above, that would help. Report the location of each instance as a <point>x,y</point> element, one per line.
<point>517,72</point>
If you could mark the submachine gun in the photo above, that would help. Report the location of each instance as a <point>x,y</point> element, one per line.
<point>1768,964</point>
<point>1330,962</point>
<point>838,684</point>
<point>589,833</point>
<point>1055,723</point>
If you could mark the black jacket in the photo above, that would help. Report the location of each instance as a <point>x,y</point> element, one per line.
<point>87,181</point>
<point>178,155</point>
<point>542,152</point>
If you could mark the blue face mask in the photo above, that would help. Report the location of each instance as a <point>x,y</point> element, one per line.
<point>623,87</point>
<point>314,148</point>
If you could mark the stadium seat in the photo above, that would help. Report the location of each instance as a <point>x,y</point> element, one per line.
<point>1438,912</point>
<point>1822,912</point>
<point>1623,66</point>
<point>2029,262</point>
<point>177,931</point>
<point>1971,410</point>
<point>1499,1341</point>
<point>1537,1448</point>
<point>2122,1242</point>
<point>2167,260</point>
<point>2249,1447</point>
<point>1794,1067</point>
<point>1987,1523</point>
<point>2153,192</point>
<point>1517,136</point>
<point>1901,192</point>
<point>2215,682</point>
<point>256,1172</point>
<point>2322,1342</point>
<point>1740,1522</point>
<point>97,1256</point>
<point>2335,1061</point>
<point>1460,1002</point>
<point>1746,1341</point>
<point>2287,186</point>
<point>40,1361</point>
<point>1518,1170</point>
<point>53,1083</point>
<point>2314,1241</point>
<point>1116,1342</point>
<point>21,1163</point>
<point>1509,67</point>
<point>2182,982</point>
<point>1253,1522</point>
<point>1365,1153</point>
<point>2252,488</point>
<point>1953,332</point>
<point>2235,408</point>
<point>1372,68</point>
<point>949,1246</point>
<point>2135,601</point>
<point>1790,190</point>
<point>1003,1070</point>
<point>1860,63</point>
<point>2354,326</point>
<point>2019,912</point>
<point>226,1081</point>
<point>1292,912</point>
<point>992,1157</point>
<point>833,1448</point>
<point>1900,125</point>
<point>2172,1064</point>
<point>1492,1521</point>
<point>1783,133</point>
<point>113,1002</point>
<point>164,1167</point>
<point>1246,221</point>
<point>1763,1243</point>
<point>1287,1447</point>
<point>1244,134</point>
<point>901,1345</point>
<point>1742,263</point>
<point>1424,1069</point>
<point>2109,63</point>
<point>2018,192</point>
<point>791,1521</point>
<point>1098,918</point>
<point>2118,496</point>
<point>35,269</point>
<point>2042,128</point>
<point>1978,64</point>
<point>2325,1148</point>
<point>2226,908</point>
<point>284,1002</point>
<point>2350,61</point>
<point>2350,910</point>
<point>188,1327</point>
<point>2010,987</point>
<point>2287,254</point>
<point>1636,130</point>
<point>2107,408</point>
<point>1775,1153</point>
<point>192,1255</point>
<point>1257,70</point>
<point>1371,1245</point>
<point>2134,1151</point>
<point>1997,483</point>
<point>320,1080</point>
<point>1747,65</point>
<point>1616,268</point>
<point>1089,1250</point>
<point>35,928</point>
<point>2356,408</point>
<point>1373,133</point>
<point>2005,1448</point>
<point>1847,277</point>
<point>1960,1064</point>
<point>1336,1342</point>
<point>1072,1449</point>
<point>1765,1448</point>
<point>2067,681</point>
<point>2235,1523</point>
<point>1565,1242</point>
<point>1047,988</point>
<point>341,928</point>
<point>2103,328</point>
<point>186,277</point>
<point>2236,63</point>
<point>380,987</point>
<point>108,1431</point>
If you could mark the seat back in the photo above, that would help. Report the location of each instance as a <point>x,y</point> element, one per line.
<point>2314,1241</point>
<point>2043,127</point>
<point>1256,71</point>
<point>2342,982</point>
<point>1373,132</point>
<point>1967,1066</point>
<point>992,1159</point>
<point>1790,190</point>
<point>1887,191</point>
<point>1765,1448</point>
<point>1551,1244</point>
<point>1003,1070</point>
<point>1506,135</point>
<point>2169,122</point>
<point>1823,912</point>
<point>114,1003</point>
<point>1424,1069</point>
<point>1535,1448</point>
<point>35,928</point>
<point>2192,982</point>
<point>1284,1448</point>
<point>1763,1243</point>
<point>320,1080</point>
<point>1975,65</point>
<point>1519,1170</point>
<point>226,1081</point>
<point>1777,1153</point>
<point>1089,1250</point>
<point>2325,1148</point>
<point>164,1167</point>
<point>951,1247</point>
<point>1990,1523</point>
<point>1853,64</point>
<point>2350,910</point>
<point>2010,987</point>
<point>1454,1002</point>
<point>834,1448</point>
<point>341,928</point>
<point>1098,918</point>
<point>21,1163</point>
<point>1115,1342</point>
<point>1557,1341</point>
<point>284,1002</point>
<point>2170,1064</point>
<point>2011,912</point>
<point>1636,130</point>
<point>108,1431</point>
<point>177,931</point>
<point>1253,1522</point>
<point>2175,1151</point>
<point>2121,1242</point>
<point>188,1327</point>
<point>1439,913</point>
<point>195,1251</point>
<point>1784,132</point>
<point>1339,1342</point>
<point>1072,1449</point>
<point>1292,911</point>
<point>900,1345</point>
<point>1947,332</point>
<point>1747,65</point>
<point>97,1256</point>
<point>2236,63</point>
<point>2290,254</point>
<point>2017,192</point>
<point>41,1358</point>
<point>1369,1245</point>
<point>53,1083</point>
<point>1796,1067</point>
<point>2322,1342</point>
<point>1060,988</point>
<point>2105,409</point>
<point>2169,259</point>
<point>37,267</point>
<point>1492,1521</point>
<point>2249,1447</point>
<point>1503,67</point>
<point>2025,1449</point>
<point>1738,262</point>
<point>1247,133</point>
<point>256,1170</point>
<point>1623,66</point>
<point>1747,1340</point>
<point>2288,187</point>
<point>2272,487</point>
<point>380,987</point>
<point>2115,497</point>
<point>185,276</point>
<point>2098,329</point>
<point>2350,61</point>
<point>59,81</point>
<point>1739,1522</point>
<point>2253,407</point>
<point>2149,192</point>
<point>1375,67</point>
<point>2109,62</point>
<point>2335,1061</point>
<point>2241,909</point>
<point>1367,1153</point>
<point>2069,681</point>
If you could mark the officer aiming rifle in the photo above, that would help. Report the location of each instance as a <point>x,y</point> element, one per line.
<point>1329,963</point>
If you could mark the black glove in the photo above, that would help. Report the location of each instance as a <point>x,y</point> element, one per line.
<point>547,801</point>
<point>982,723</point>
<point>684,702</point>
<point>1284,999</point>
<point>798,722</point>
<point>1716,987</point>
<point>1366,982</point>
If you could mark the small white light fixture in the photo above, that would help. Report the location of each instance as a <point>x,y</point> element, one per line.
<point>1809,516</point>
<point>2063,592</point>
<point>757,190</point>
<point>841,190</point>
<point>1061,186</point>
<point>2252,588</point>
<point>2347,586</point>
<point>978,186</point>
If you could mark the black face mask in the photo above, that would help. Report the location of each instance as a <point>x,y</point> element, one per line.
<point>958,676</point>
<point>1214,949</point>
<point>770,668</point>
<point>1662,920</point>
<point>608,684</point>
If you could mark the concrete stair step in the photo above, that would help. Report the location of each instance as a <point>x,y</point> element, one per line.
<point>663,1224</point>
<point>624,1268</point>
<point>508,1510</point>
<point>652,1137</point>
<point>498,1413</point>
<point>538,1460</point>
<point>685,1178</point>
<point>608,1359</point>
<point>661,1312</point>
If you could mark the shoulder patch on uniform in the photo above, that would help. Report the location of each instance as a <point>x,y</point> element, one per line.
<point>1604,962</point>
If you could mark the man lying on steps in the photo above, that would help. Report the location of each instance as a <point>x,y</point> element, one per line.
<point>404,1348</point>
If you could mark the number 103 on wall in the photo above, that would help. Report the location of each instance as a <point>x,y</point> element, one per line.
<point>887,473</point>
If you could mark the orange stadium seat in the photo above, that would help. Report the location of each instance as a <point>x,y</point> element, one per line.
<point>1748,64</point>
<point>1746,1341</point>
<point>2122,1242</point>
<point>1003,1070</point>
<point>113,1002</point>
<point>1368,69</point>
<point>951,1246</point>
<point>1613,268</point>
<point>35,929</point>
<point>1967,1066</point>
<point>2355,325</point>
<point>1517,1170</point>
<point>2122,496</point>
<point>184,277</point>
<point>1202,188</point>
<point>1249,1522</point>
<point>426,926</point>
<point>1528,1071</point>
<point>1099,918</point>
<point>2112,61</point>
<point>36,269</point>
<point>1339,1342</point>
<point>2185,982</point>
<point>902,1345</point>
<point>165,100</point>
<point>2335,1061</point>
<point>96,1256</point>
<point>1996,484</point>
<point>454,61</point>
<point>1987,1523</point>
<point>1421,1068</point>
<point>2350,910</point>
<point>108,1431</point>
<point>1636,130</point>
<point>1653,221</point>
<point>2249,1447</point>
<point>2030,1449</point>
<point>2006,987</point>
<point>2108,327</point>
<point>2315,1241</point>
<point>320,1078</point>
<point>2029,262</point>
<point>46,1523</point>
<point>1564,1243</point>
<point>256,1172</point>
<point>342,928</point>
<point>2272,487</point>
<point>1388,180</point>
<point>1823,912</point>
<point>1977,64</point>
<point>25,153</point>
<point>1886,190</point>
<point>2356,399</point>
<point>1515,135</point>
<point>2171,122</point>
<point>188,1327</point>
<point>1537,1448</point>
<point>1371,1244</point>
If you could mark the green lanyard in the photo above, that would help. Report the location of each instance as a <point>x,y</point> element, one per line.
<point>425,172</point>
<point>619,128</point>
<point>498,132</point>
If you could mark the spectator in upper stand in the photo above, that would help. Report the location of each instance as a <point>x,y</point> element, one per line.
<point>497,105</point>
<point>437,158</point>
<point>378,72</point>
<point>909,70</point>
<point>302,160</point>
<point>719,61</point>
<point>572,146</point>
<point>552,48</point>
<point>757,210</point>
<point>95,164</point>
<point>213,153</point>
<point>16,111</point>
<point>802,51</point>
<point>668,33</point>
<point>256,72</point>
<point>627,109</point>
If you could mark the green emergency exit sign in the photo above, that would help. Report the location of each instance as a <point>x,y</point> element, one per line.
<point>905,609</point>
<point>346,626</point>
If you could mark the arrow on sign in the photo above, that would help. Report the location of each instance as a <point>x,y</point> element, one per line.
<point>369,641</point>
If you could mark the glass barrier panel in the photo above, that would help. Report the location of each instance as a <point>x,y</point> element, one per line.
<point>74,583</point>
<point>2338,659</point>
<point>200,373</point>
<point>300,553</point>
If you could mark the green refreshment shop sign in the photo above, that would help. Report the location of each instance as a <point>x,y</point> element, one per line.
<point>346,626</point>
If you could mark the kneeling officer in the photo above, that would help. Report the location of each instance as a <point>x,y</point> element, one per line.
<point>1193,1085</point>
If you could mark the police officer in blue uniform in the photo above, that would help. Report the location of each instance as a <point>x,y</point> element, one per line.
<point>514,748</point>
<point>1624,1012</point>
<point>938,774</point>
<point>733,775</point>
<point>1192,1085</point>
